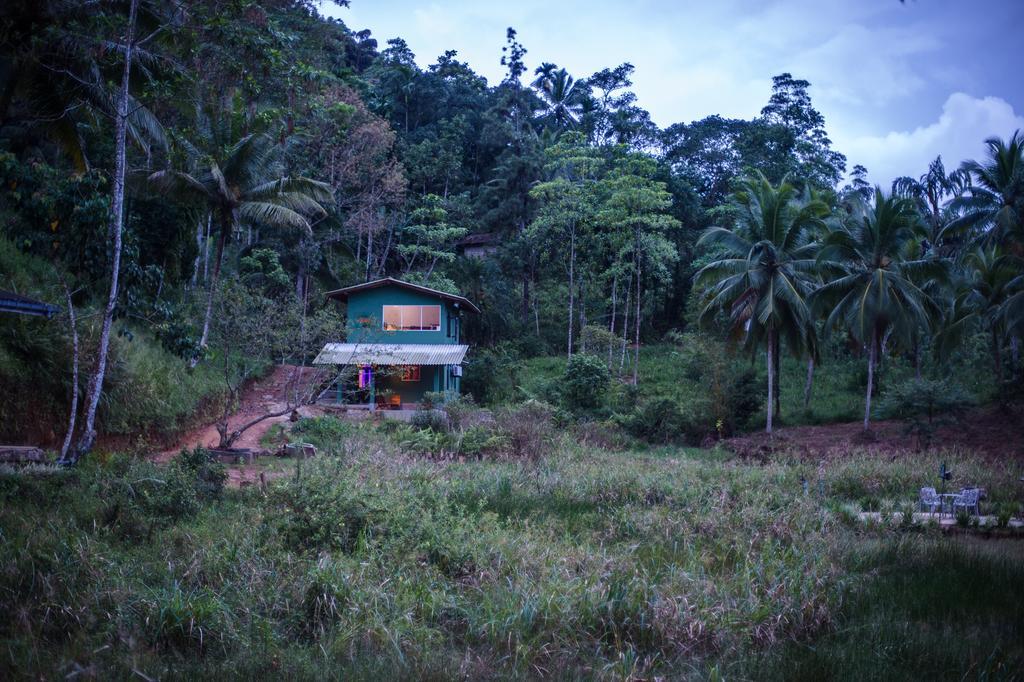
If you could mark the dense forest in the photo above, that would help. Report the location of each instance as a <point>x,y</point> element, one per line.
<point>186,181</point>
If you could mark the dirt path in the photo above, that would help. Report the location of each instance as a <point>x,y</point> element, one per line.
<point>991,431</point>
<point>260,397</point>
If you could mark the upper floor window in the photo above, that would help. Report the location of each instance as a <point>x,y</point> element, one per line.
<point>405,318</point>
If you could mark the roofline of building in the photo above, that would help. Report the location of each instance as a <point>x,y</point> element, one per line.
<point>343,293</point>
<point>11,302</point>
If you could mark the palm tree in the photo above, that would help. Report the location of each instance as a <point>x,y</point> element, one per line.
<point>562,105</point>
<point>764,276</point>
<point>247,186</point>
<point>872,286</point>
<point>930,193</point>
<point>985,298</point>
<point>994,207</point>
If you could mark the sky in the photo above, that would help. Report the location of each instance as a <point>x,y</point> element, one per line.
<point>898,83</point>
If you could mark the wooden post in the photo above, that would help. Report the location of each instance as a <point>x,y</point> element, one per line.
<point>373,393</point>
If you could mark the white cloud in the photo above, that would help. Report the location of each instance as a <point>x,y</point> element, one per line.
<point>958,134</point>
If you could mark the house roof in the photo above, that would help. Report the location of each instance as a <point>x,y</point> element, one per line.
<point>478,238</point>
<point>343,294</point>
<point>391,354</point>
<point>11,302</point>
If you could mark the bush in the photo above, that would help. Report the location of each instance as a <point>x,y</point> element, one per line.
<point>596,340</point>
<point>529,428</point>
<point>663,420</point>
<point>433,419</point>
<point>924,405</point>
<point>210,475</point>
<point>478,440</point>
<point>319,512</point>
<point>585,382</point>
<point>745,396</point>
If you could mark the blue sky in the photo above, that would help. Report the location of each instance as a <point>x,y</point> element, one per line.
<point>898,83</point>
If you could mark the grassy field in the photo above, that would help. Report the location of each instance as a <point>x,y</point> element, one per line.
<point>368,562</point>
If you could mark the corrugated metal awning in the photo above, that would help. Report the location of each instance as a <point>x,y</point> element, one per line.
<point>391,354</point>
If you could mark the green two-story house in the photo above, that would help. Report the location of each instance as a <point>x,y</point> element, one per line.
<point>402,340</point>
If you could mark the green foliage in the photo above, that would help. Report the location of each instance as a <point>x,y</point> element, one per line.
<point>585,382</point>
<point>318,513</point>
<point>924,405</point>
<point>433,419</point>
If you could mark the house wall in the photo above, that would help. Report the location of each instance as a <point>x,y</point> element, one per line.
<point>369,305</point>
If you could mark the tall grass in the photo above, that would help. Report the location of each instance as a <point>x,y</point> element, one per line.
<point>368,563</point>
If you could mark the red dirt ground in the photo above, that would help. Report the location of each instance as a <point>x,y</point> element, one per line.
<point>992,431</point>
<point>262,396</point>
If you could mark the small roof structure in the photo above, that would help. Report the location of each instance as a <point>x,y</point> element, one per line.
<point>17,304</point>
<point>343,293</point>
<point>391,354</point>
<point>478,238</point>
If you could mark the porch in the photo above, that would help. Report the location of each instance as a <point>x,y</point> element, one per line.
<point>391,377</point>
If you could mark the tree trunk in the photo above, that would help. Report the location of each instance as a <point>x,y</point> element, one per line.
<point>770,354</point>
<point>810,382</point>
<point>197,265</point>
<point>300,278</point>
<point>581,306</point>
<point>997,356</point>
<point>526,298</point>
<point>636,349</point>
<point>572,289</point>
<point>917,357</point>
<point>73,413</point>
<point>871,377</point>
<point>778,384</point>
<point>225,229</point>
<point>206,249</point>
<point>625,324</point>
<point>611,325</point>
<point>88,437</point>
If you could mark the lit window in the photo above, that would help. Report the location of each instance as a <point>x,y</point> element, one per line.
<point>410,373</point>
<point>412,318</point>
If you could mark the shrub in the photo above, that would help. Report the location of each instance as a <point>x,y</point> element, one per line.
<point>479,440</point>
<point>596,340</point>
<point>460,410</point>
<point>606,435</point>
<point>319,512</point>
<point>210,475</point>
<point>745,396</point>
<point>663,420</point>
<point>730,394</point>
<point>323,432</point>
<point>529,428</point>
<point>585,381</point>
<point>924,405</point>
<point>433,419</point>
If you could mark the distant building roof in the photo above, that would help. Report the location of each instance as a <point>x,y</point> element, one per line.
<point>343,294</point>
<point>11,302</point>
<point>391,354</point>
<point>478,239</point>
